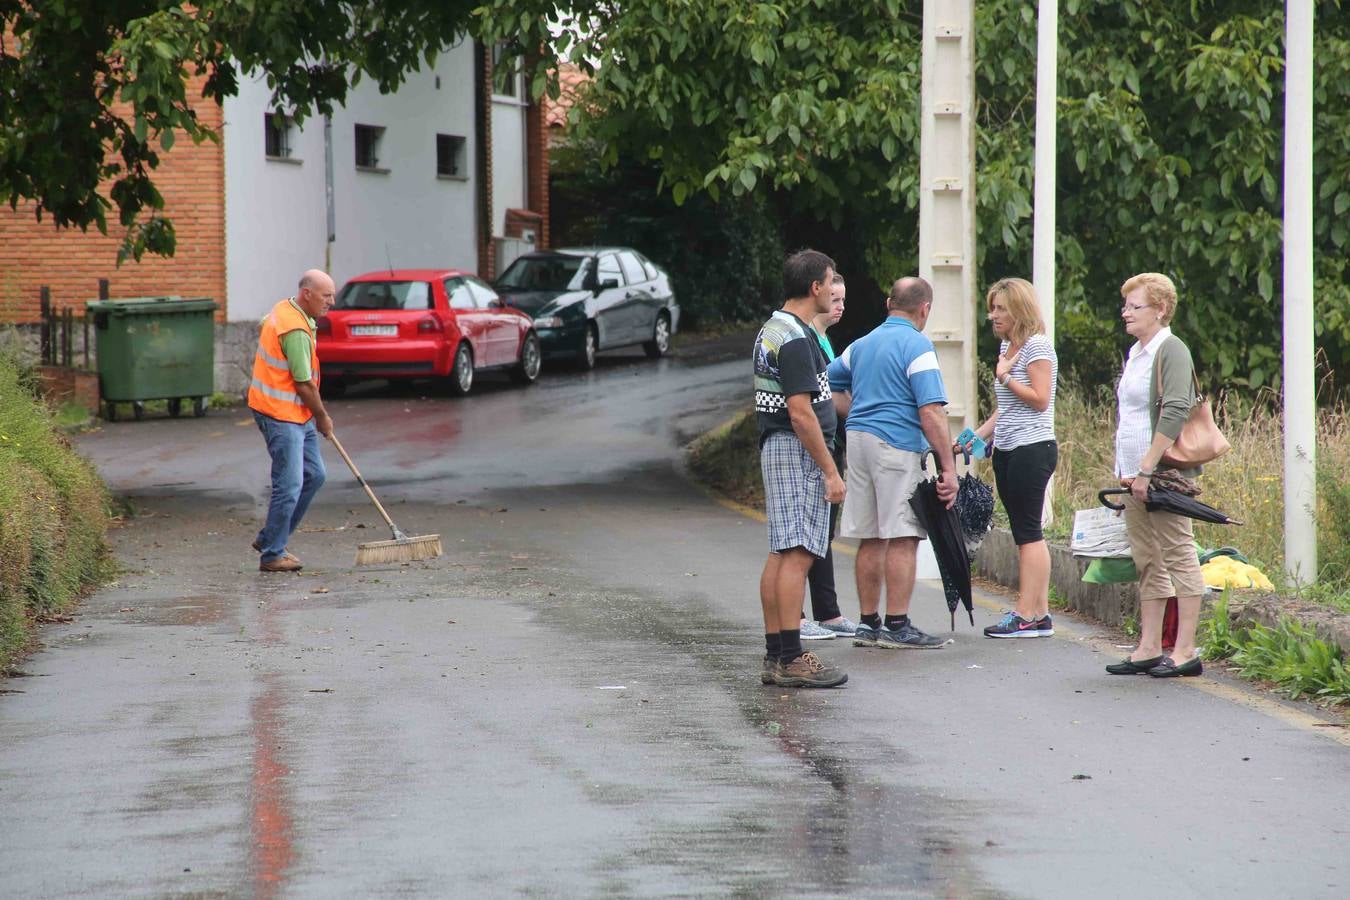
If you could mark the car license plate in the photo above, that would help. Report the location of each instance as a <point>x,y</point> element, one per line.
<point>376,330</point>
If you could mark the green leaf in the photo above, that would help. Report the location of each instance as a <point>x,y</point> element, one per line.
<point>747,179</point>
<point>1265,284</point>
<point>679,192</point>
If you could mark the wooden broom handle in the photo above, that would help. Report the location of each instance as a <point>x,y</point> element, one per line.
<point>373,499</point>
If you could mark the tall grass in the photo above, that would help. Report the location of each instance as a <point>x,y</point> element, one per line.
<point>54,512</point>
<point>1246,483</point>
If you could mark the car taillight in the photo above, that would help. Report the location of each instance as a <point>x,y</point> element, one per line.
<point>429,325</point>
<point>324,326</point>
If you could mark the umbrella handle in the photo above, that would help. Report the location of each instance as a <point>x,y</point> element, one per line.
<point>1102,495</point>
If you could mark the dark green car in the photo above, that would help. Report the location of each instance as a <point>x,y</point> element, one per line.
<point>588,299</point>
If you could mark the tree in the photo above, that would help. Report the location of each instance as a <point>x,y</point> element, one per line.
<point>92,90</point>
<point>1169,140</point>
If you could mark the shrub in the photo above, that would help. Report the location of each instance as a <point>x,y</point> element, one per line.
<point>53,513</point>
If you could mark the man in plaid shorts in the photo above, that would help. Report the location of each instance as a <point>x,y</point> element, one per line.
<point>796,417</point>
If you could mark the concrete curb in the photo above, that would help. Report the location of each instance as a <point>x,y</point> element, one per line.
<point>1111,604</point>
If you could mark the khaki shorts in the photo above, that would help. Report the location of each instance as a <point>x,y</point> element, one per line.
<point>1163,547</point>
<point>881,479</point>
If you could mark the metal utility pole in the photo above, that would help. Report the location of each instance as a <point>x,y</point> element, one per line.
<point>1043,215</point>
<point>947,197</point>
<point>1300,399</point>
<point>1043,221</point>
<point>329,200</point>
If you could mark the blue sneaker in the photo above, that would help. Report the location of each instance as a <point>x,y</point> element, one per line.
<point>845,627</point>
<point>908,637</point>
<point>864,636</point>
<point>1013,625</point>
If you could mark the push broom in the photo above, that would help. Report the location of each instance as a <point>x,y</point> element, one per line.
<point>402,548</point>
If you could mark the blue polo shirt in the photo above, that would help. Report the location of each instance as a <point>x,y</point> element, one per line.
<point>890,372</point>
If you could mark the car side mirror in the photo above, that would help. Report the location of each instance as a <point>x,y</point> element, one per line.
<point>607,284</point>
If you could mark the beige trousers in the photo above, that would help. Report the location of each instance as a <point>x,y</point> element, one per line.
<point>1163,547</point>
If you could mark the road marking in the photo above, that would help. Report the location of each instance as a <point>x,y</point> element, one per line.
<point>1241,696</point>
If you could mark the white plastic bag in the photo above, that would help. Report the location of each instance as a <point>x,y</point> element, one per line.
<point>1099,532</point>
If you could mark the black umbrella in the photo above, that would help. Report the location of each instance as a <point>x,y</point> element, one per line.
<point>1162,500</point>
<point>974,507</point>
<point>949,542</point>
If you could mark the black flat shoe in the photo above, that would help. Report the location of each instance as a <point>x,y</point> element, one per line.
<point>1168,669</point>
<point>1128,666</point>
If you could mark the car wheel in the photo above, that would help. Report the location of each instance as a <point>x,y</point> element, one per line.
<point>175,407</point>
<point>461,373</point>
<point>531,361</point>
<point>659,345</point>
<point>590,343</point>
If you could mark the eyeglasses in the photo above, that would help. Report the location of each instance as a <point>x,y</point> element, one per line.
<point>1129,307</point>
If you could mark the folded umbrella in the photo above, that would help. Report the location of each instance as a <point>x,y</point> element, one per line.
<point>949,542</point>
<point>1163,500</point>
<point>974,508</point>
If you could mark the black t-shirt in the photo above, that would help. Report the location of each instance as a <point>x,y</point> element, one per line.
<point>788,360</point>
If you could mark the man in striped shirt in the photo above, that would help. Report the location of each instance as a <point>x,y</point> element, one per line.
<point>889,385</point>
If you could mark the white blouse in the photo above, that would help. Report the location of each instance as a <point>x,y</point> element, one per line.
<point>1134,432</point>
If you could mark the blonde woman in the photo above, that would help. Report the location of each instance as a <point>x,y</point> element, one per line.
<point>1022,430</point>
<point>1155,396</point>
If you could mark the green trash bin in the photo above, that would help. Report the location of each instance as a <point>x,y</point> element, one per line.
<point>154,348</point>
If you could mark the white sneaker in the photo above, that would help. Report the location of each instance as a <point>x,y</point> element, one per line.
<point>845,627</point>
<point>813,632</point>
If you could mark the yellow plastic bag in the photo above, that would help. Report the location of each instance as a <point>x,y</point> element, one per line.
<point>1225,571</point>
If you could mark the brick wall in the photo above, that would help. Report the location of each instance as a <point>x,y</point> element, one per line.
<point>192,180</point>
<point>487,250</point>
<point>536,150</point>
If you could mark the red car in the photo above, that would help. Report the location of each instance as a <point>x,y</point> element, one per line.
<point>424,323</point>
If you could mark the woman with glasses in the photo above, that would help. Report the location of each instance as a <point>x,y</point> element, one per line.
<point>1154,397</point>
<point>1022,429</point>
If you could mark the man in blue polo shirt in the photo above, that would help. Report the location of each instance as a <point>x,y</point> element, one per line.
<point>889,384</point>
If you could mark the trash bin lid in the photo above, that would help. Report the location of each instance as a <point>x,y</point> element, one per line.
<point>142,306</point>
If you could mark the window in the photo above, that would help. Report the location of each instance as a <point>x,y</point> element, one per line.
<point>277,129</point>
<point>632,269</point>
<point>483,295</point>
<point>609,270</point>
<point>450,156</point>
<point>503,76</point>
<point>384,295</point>
<point>459,294</point>
<point>652,272</point>
<point>546,273</point>
<point>368,140</point>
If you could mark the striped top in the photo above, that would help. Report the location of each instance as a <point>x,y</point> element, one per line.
<point>1018,424</point>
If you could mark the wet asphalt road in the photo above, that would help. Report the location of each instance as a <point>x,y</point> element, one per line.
<point>568,704</point>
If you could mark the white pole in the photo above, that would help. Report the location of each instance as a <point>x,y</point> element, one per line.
<point>1043,216</point>
<point>1300,402</point>
<point>1043,213</point>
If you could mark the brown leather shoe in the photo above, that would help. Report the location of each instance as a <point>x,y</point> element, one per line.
<point>281,564</point>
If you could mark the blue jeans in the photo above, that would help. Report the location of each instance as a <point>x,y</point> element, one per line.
<point>297,474</point>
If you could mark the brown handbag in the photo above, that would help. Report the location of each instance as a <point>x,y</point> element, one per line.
<point>1200,440</point>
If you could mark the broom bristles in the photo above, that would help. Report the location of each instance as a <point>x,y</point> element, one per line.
<point>426,546</point>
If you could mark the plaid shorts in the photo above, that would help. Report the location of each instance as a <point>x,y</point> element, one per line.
<point>794,496</point>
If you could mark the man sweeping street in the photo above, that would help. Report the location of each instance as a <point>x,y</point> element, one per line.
<point>284,398</point>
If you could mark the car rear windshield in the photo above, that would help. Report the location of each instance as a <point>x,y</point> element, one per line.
<point>545,273</point>
<point>384,295</point>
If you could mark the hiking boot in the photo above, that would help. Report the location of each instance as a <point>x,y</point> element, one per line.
<point>766,670</point>
<point>281,564</point>
<point>1014,626</point>
<point>907,637</point>
<point>845,627</point>
<point>813,632</point>
<point>808,671</point>
<point>864,636</point>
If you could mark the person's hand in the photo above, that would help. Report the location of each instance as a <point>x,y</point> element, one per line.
<point>1005,364</point>
<point>1139,488</point>
<point>323,423</point>
<point>834,489</point>
<point>946,488</point>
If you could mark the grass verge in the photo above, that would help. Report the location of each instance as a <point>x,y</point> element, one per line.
<point>54,513</point>
<point>1289,656</point>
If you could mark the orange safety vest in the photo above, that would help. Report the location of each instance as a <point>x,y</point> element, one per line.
<point>272,391</point>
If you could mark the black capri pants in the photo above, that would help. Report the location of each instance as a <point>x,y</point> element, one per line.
<point>1021,475</point>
